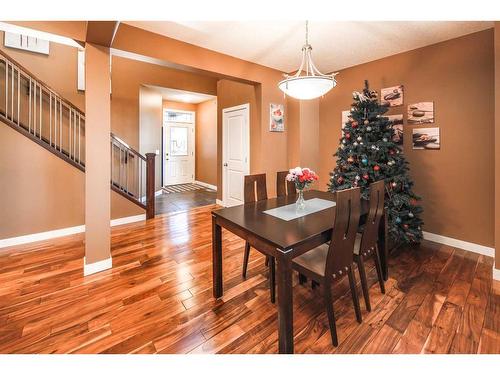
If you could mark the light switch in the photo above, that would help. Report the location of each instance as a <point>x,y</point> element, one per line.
<point>157,152</point>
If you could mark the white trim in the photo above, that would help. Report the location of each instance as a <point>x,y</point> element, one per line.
<point>496,273</point>
<point>469,246</point>
<point>42,236</point>
<point>219,202</point>
<point>102,265</point>
<point>128,220</point>
<point>157,193</point>
<point>34,237</point>
<point>247,164</point>
<point>204,184</point>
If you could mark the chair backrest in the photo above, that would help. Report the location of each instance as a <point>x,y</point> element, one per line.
<point>341,250</point>
<point>255,188</point>
<point>284,187</point>
<point>375,212</point>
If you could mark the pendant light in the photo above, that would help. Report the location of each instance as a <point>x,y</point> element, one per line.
<point>310,85</point>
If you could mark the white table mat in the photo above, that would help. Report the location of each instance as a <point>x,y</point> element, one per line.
<point>289,212</point>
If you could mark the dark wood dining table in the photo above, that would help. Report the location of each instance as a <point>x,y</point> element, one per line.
<point>283,240</point>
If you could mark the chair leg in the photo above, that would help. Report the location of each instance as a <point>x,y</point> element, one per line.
<point>302,279</point>
<point>314,284</point>
<point>329,311</point>
<point>354,293</point>
<point>378,267</point>
<point>272,278</point>
<point>364,282</point>
<point>266,263</point>
<point>245,259</point>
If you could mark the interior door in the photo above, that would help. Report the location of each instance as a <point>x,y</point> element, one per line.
<point>179,152</point>
<point>236,140</point>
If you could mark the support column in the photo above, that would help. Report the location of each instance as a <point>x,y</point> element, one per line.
<point>97,159</point>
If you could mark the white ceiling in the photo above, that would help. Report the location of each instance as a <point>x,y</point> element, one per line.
<point>336,45</point>
<point>182,95</point>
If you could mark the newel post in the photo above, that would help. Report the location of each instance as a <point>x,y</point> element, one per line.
<point>150,185</point>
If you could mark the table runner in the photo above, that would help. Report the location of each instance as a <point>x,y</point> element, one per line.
<point>289,212</point>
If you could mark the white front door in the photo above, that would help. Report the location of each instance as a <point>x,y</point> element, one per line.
<point>178,146</point>
<point>235,153</point>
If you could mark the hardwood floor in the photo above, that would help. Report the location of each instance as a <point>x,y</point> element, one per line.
<point>158,299</point>
<point>174,202</point>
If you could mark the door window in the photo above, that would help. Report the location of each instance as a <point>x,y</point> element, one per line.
<point>178,141</point>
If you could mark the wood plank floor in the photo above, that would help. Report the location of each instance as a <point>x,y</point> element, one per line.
<point>158,299</point>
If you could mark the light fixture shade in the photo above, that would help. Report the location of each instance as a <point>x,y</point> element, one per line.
<point>307,87</point>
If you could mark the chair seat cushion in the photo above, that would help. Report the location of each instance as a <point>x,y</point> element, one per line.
<point>314,260</point>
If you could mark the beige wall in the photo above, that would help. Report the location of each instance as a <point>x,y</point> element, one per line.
<point>456,182</point>
<point>150,124</point>
<point>206,142</point>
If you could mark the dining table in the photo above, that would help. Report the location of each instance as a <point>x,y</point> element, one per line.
<point>283,239</point>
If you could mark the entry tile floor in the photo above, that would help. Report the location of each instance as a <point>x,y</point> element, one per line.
<point>174,202</point>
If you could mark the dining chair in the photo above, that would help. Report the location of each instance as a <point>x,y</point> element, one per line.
<point>284,187</point>
<point>329,262</point>
<point>255,189</point>
<point>365,246</point>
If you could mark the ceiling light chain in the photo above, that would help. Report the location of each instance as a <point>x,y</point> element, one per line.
<point>311,85</point>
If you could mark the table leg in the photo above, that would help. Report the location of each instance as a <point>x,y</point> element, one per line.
<point>216,258</point>
<point>383,245</point>
<point>285,304</point>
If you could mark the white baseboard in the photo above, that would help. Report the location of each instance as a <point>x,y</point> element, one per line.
<point>28,238</point>
<point>127,220</point>
<point>469,246</point>
<point>219,202</point>
<point>102,265</point>
<point>204,184</point>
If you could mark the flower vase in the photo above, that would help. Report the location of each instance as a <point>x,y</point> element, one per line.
<point>300,204</point>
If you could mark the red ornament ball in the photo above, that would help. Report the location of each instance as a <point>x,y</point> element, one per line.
<point>366,177</point>
<point>348,135</point>
<point>391,152</point>
<point>405,226</point>
<point>376,168</point>
<point>354,124</point>
<point>340,179</point>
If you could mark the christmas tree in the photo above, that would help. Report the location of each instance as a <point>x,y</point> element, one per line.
<point>368,153</point>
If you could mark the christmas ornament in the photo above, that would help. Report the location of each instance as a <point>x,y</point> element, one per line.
<point>368,128</point>
<point>384,139</point>
<point>374,147</point>
<point>350,159</point>
<point>410,214</point>
<point>376,168</point>
<point>394,184</point>
<point>354,124</point>
<point>340,179</point>
<point>359,139</point>
<point>398,220</point>
<point>366,177</point>
<point>364,161</point>
<point>366,122</point>
<point>344,141</point>
<point>355,143</point>
<point>357,178</point>
<point>391,152</point>
<point>348,135</point>
<point>405,226</point>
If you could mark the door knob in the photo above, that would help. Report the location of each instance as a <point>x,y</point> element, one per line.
<point>225,164</point>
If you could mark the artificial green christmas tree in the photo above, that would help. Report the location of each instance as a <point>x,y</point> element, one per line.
<point>367,153</point>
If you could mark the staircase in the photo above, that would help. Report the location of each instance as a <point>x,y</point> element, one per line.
<point>35,110</point>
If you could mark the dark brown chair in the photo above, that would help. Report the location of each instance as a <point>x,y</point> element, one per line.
<point>284,187</point>
<point>366,242</point>
<point>329,262</point>
<point>255,189</point>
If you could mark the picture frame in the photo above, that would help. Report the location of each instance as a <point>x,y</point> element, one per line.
<point>392,96</point>
<point>276,117</point>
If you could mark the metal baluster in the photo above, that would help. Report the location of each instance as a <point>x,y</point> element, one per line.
<point>55,122</point>
<point>126,171</point>
<point>18,95</point>
<point>34,108</point>
<point>60,125</point>
<point>74,135</point>
<point>79,136</point>
<point>12,93</point>
<point>50,118</point>
<point>69,132</point>
<point>41,109</point>
<point>29,108</point>
<point>6,88</point>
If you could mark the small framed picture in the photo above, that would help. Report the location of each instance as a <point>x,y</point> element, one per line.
<point>421,113</point>
<point>426,139</point>
<point>277,118</point>
<point>397,126</point>
<point>392,96</point>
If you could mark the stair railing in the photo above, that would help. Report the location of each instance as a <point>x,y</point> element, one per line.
<point>34,109</point>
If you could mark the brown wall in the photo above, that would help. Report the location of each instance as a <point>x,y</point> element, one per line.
<point>206,142</point>
<point>456,182</point>
<point>497,144</point>
<point>127,78</point>
<point>167,104</point>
